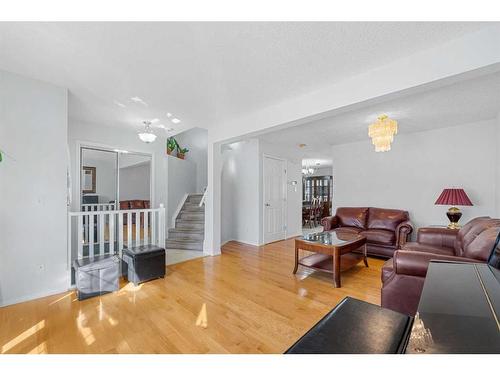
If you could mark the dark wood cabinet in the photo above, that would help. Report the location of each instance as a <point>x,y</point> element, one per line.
<point>318,187</point>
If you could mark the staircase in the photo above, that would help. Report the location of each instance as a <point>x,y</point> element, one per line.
<point>189,228</point>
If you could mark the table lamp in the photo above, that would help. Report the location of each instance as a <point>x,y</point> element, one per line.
<point>454,197</point>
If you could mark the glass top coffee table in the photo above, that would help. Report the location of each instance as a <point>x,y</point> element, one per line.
<point>334,251</point>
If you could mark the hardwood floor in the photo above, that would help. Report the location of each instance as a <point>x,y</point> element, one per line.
<point>253,305</point>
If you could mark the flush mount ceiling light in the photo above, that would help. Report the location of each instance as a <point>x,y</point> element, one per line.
<point>382,133</point>
<point>147,135</point>
<point>176,120</point>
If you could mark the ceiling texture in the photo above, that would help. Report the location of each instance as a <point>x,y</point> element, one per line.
<point>205,73</point>
<point>466,101</point>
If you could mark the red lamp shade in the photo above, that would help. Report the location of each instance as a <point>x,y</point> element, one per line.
<point>454,197</point>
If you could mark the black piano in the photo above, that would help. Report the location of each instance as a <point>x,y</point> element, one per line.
<point>459,312</point>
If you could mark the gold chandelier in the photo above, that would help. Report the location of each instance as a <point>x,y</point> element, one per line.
<point>382,133</point>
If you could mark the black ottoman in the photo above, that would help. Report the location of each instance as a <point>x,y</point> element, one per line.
<point>143,263</point>
<point>96,276</point>
<point>356,327</point>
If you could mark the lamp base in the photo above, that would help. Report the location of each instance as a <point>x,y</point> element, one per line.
<point>454,216</point>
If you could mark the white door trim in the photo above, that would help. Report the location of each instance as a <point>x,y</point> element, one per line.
<point>285,194</point>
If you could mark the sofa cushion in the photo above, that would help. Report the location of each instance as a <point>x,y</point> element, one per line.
<point>383,218</point>
<point>424,248</point>
<point>380,236</point>
<point>352,216</point>
<point>468,234</point>
<point>482,245</point>
<point>348,230</point>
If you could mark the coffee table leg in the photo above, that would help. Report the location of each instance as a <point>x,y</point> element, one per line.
<point>336,268</point>
<point>365,258</point>
<point>296,259</point>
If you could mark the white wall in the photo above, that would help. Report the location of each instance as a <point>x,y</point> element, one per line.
<point>33,131</point>
<point>242,192</point>
<point>181,181</point>
<point>415,171</point>
<point>135,182</point>
<point>195,140</point>
<point>294,199</point>
<point>240,200</point>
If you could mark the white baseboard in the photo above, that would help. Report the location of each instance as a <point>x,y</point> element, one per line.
<point>33,296</point>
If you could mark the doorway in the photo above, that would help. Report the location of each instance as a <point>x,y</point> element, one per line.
<point>274,196</point>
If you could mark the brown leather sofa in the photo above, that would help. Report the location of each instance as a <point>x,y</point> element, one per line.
<point>403,276</point>
<point>135,204</point>
<point>386,230</point>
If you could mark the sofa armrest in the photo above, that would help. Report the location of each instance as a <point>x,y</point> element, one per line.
<point>329,223</point>
<point>415,263</point>
<point>442,237</point>
<point>403,231</point>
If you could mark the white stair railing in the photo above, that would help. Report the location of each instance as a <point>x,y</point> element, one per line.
<point>98,207</point>
<point>92,233</point>
<point>202,202</point>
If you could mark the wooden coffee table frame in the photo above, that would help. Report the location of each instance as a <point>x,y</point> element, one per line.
<point>331,258</point>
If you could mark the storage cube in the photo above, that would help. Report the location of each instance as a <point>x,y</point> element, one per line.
<point>96,276</point>
<point>143,263</point>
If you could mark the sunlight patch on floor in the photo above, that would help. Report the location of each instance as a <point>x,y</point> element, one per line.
<point>23,336</point>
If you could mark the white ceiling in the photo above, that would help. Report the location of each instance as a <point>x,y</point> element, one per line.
<point>203,73</point>
<point>459,103</point>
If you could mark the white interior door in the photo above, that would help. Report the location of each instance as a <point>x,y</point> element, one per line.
<point>274,199</point>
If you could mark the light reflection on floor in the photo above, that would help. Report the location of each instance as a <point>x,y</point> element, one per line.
<point>23,336</point>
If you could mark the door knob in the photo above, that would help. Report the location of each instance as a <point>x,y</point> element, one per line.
<point>268,205</point>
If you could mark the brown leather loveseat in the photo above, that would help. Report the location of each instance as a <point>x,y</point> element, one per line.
<point>403,276</point>
<point>386,230</point>
<point>135,204</point>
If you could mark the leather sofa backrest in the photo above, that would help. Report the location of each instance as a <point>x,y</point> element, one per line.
<point>352,216</point>
<point>384,218</point>
<point>480,248</point>
<point>124,205</point>
<point>135,204</point>
<point>476,238</point>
